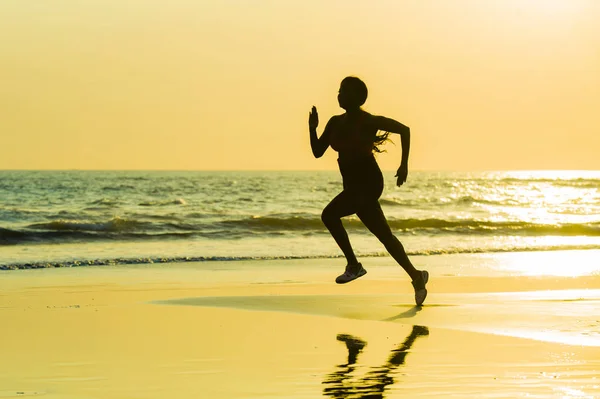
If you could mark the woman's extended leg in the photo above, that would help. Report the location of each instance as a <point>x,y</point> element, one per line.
<point>372,216</point>
<point>342,205</point>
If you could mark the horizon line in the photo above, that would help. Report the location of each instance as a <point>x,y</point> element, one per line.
<point>290,170</point>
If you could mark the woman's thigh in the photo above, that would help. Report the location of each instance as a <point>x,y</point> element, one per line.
<point>373,218</point>
<point>344,204</point>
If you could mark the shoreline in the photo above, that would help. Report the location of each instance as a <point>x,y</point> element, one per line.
<point>120,261</point>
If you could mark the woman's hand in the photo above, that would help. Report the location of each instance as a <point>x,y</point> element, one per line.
<point>402,174</point>
<point>313,118</point>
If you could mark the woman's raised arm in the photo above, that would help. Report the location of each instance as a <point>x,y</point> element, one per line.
<point>318,144</point>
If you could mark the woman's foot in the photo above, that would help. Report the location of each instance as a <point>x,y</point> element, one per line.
<point>352,273</point>
<point>419,286</point>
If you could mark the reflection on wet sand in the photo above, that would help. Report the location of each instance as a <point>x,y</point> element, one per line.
<point>341,385</point>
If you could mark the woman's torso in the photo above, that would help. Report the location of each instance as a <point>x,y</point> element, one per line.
<point>353,136</point>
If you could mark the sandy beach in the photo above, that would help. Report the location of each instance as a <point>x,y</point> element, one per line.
<point>274,329</point>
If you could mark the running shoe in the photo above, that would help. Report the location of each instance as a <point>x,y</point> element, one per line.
<point>420,289</point>
<point>351,273</point>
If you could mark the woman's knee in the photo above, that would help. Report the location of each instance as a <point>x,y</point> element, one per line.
<point>327,217</point>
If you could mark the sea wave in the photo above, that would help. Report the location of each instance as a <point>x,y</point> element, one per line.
<point>113,225</point>
<point>17,237</point>
<point>178,201</point>
<point>431,226</point>
<point>104,203</point>
<point>447,202</point>
<point>394,202</point>
<point>168,227</point>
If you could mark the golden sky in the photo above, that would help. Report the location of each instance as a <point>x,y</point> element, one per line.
<point>223,84</point>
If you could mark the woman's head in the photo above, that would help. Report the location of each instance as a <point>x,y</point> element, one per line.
<point>353,93</point>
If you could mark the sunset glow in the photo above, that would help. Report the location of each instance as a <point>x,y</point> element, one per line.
<point>228,85</point>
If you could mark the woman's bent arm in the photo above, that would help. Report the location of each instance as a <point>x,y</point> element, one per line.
<point>392,126</point>
<point>319,144</point>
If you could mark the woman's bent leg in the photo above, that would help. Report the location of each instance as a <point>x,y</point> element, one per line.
<point>342,205</point>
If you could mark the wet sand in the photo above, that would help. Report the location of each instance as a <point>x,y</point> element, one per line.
<point>283,329</point>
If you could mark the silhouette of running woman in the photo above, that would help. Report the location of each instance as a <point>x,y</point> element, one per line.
<point>354,135</point>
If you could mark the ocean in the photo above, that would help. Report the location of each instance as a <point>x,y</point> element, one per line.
<point>75,218</point>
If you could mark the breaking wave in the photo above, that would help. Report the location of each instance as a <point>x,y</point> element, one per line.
<point>169,227</point>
